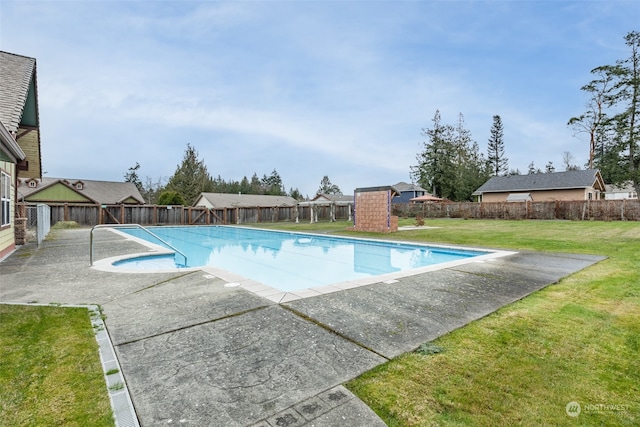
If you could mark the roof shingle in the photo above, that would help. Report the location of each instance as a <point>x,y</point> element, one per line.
<point>540,181</point>
<point>16,72</point>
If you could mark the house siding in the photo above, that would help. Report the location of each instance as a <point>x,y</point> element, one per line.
<point>202,201</point>
<point>546,195</point>
<point>7,235</point>
<point>57,193</point>
<point>406,196</point>
<point>30,144</point>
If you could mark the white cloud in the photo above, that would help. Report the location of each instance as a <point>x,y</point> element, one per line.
<point>307,88</point>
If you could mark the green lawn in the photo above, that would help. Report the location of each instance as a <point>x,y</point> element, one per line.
<point>575,341</point>
<point>50,372</point>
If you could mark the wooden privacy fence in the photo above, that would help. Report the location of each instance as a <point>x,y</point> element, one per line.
<point>90,215</point>
<point>574,210</point>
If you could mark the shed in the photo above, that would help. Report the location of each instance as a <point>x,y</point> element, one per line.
<point>373,209</point>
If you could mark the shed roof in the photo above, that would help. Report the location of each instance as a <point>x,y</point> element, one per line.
<point>543,181</point>
<point>232,200</point>
<point>391,188</point>
<point>16,74</point>
<point>102,192</point>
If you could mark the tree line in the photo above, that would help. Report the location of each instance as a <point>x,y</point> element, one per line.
<point>451,166</point>
<point>612,117</point>
<point>191,178</point>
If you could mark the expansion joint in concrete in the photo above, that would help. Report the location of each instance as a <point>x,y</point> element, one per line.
<point>182,328</point>
<point>333,331</point>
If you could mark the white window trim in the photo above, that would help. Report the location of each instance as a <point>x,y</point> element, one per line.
<point>5,199</point>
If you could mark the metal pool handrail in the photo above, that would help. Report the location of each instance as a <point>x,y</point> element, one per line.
<point>128,226</point>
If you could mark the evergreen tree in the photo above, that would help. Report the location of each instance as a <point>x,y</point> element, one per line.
<point>435,169</point>
<point>326,187</point>
<point>616,138</point>
<point>191,177</point>
<point>594,121</point>
<point>132,176</point>
<point>549,168</point>
<point>273,185</point>
<point>498,163</point>
<point>245,186</point>
<point>451,164</point>
<point>296,194</point>
<point>170,197</point>
<point>255,185</point>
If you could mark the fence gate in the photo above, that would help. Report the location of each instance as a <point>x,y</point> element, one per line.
<point>43,222</point>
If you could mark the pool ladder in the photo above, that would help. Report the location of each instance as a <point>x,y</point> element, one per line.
<point>129,226</point>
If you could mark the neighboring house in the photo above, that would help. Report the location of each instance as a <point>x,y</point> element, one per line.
<point>540,187</point>
<point>19,141</point>
<point>232,200</point>
<point>405,192</point>
<point>10,155</point>
<point>59,190</point>
<point>626,191</point>
<point>19,109</point>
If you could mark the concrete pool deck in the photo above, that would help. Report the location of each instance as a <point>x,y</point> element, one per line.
<point>196,352</point>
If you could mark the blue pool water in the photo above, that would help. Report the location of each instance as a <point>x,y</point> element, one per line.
<point>285,260</point>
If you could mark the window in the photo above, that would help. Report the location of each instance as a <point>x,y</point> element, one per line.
<point>5,199</point>
<point>33,184</point>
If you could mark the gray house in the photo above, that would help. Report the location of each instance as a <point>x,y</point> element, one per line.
<point>405,192</point>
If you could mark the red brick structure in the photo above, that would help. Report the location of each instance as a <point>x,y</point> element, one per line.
<point>373,210</point>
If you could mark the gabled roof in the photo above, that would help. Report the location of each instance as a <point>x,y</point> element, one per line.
<point>16,76</point>
<point>336,198</point>
<point>99,192</point>
<point>403,186</point>
<point>232,200</point>
<point>543,181</point>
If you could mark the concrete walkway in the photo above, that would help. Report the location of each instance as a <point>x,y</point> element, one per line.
<point>194,352</point>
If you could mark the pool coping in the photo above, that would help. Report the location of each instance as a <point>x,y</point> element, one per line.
<point>280,296</point>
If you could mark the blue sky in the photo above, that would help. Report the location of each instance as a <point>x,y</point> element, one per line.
<point>308,88</point>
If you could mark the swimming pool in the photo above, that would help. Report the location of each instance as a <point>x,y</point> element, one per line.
<point>288,261</point>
